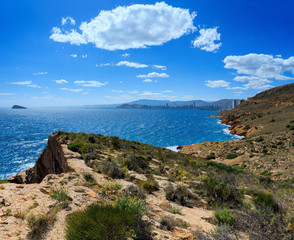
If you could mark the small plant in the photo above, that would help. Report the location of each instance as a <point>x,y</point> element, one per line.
<point>34,205</point>
<point>265,200</point>
<point>61,196</point>
<point>77,147</point>
<point>19,214</point>
<point>210,156</point>
<point>231,156</point>
<point>110,189</point>
<point>173,210</point>
<point>169,223</point>
<point>3,181</point>
<point>224,216</point>
<point>149,186</point>
<point>220,193</point>
<point>89,178</point>
<point>132,204</point>
<point>112,169</point>
<point>40,224</point>
<point>135,191</point>
<point>260,139</point>
<point>180,195</point>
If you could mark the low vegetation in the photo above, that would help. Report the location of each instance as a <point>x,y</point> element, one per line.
<point>243,202</point>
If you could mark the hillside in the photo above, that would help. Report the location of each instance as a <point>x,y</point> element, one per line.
<point>109,188</point>
<point>267,122</point>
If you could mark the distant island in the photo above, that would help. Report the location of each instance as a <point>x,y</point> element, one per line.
<point>18,107</point>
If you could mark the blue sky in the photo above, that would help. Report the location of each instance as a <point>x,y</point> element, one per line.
<point>70,53</point>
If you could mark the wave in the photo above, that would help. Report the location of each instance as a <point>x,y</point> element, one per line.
<point>173,148</point>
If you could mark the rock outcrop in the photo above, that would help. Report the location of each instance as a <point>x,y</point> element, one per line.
<point>52,161</point>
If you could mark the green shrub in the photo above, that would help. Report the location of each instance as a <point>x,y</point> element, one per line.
<point>92,139</point>
<point>180,195</point>
<point>110,188</point>
<point>169,223</point>
<point>134,191</point>
<point>224,216</point>
<point>77,147</point>
<point>231,156</point>
<point>172,209</point>
<point>132,204</point>
<point>89,178</point>
<point>210,156</point>
<point>149,186</point>
<point>139,163</point>
<point>260,139</point>
<point>112,169</point>
<point>265,200</point>
<point>101,222</point>
<point>220,193</point>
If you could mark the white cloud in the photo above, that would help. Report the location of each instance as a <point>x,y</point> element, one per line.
<point>117,91</point>
<point>22,83</point>
<point>84,56</point>
<point>159,67</point>
<point>33,86</point>
<point>133,92</point>
<point>167,91</point>
<point>131,64</point>
<point>73,55</point>
<point>7,94</point>
<point>90,83</point>
<point>261,65</point>
<point>253,82</point>
<point>151,94</point>
<point>154,75</point>
<point>135,26</point>
<point>206,40</point>
<point>105,65</point>
<point>217,83</point>
<point>147,80</point>
<point>69,20</point>
<point>40,73</point>
<point>61,81</point>
<point>73,37</point>
<point>72,90</point>
<point>126,55</point>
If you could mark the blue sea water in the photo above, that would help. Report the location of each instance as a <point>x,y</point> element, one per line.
<point>24,133</point>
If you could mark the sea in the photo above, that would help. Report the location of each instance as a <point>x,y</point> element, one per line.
<point>24,132</point>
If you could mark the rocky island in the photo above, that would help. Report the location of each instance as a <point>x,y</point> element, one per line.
<point>18,107</point>
<point>110,188</point>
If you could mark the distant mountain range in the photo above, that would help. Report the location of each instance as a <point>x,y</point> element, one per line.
<point>199,104</point>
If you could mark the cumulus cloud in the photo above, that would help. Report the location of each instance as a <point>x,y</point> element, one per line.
<point>261,65</point>
<point>72,90</point>
<point>40,73</point>
<point>84,56</point>
<point>131,64</point>
<point>90,83</point>
<point>154,75</point>
<point>61,81</point>
<point>206,40</point>
<point>22,83</point>
<point>167,91</point>
<point>217,83</point>
<point>126,55</point>
<point>253,82</point>
<point>147,80</point>
<point>135,26</point>
<point>159,67</point>
<point>73,55</point>
<point>73,37</point>
<point>69,20</point>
